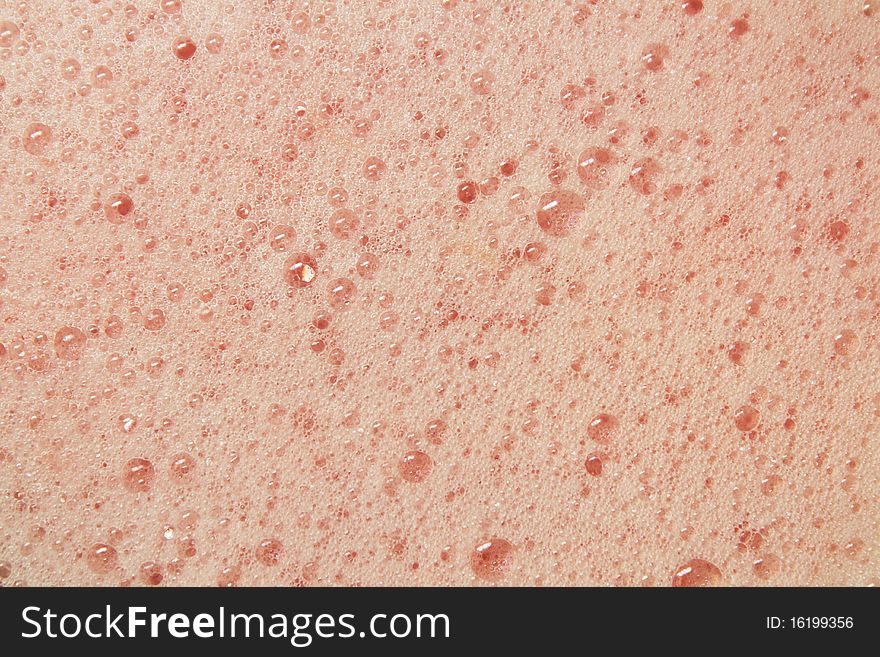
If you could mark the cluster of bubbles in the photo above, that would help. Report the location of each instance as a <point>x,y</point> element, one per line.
<point>280,273</point>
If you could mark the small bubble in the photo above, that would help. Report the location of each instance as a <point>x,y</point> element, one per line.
<point>70,69</point>
<point>374,168</point>
<point>435,431</point>
<point>300,22</point>
<point>508,167</point>
<point>182,467</point>
<point>367,265</point>
<point>780,136</point>
<point>642,175</point>
<point>282,238</point>
<point>300,270</point>
<point>69,343</point>
<point>766,566</point>
<point>344,223</point>
<point>481,82</point>
<point>838,230</point>
<point>697,572</point>
<point>150,573</point>
<point>154,320</point>
<point>117,207</point>
<point>653,56</point>
<point>570,94</point>
<point>737,351</point>
<point>9,33</point>
<point>602,428</point>
<point>738,28</point>
<point>269,551</point>
<point>846,343</point>
<point>138,475</point>
<point>101,558</point>
<point>467,192</point>
<point>341,291</point>
<point>560,211</point>
<point>746,418</point>
<point>184,48</point>
<point>692,7</point>
<point>593,166</point>
<point>213,43</point>
<point>770,484</point>
<point>544,293</point>
<point>491,559</point>
<point>102,77</point>
<point>415,466</point>
<point>593,465</point>
<point>36,139</point>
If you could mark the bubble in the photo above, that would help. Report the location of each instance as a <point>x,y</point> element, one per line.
<point>154,320</point>
<point>593,465</point>
<point>129,129</point>
<point>692,7</point>
<point>269,551</point>
<point>138,475</point>
<point>533,251</point>
<point>846,343</point>
<point>150,573</point>
<point>341,293</point>
<point>738,28</point>
<point>544,293</point>
<point>697,572</point>
<point>101,558</point>
<point>435,431</point>
<point>653,56</point>
<point>9,33</point>
<point>746,418</point>
<point>570,94</point>
<point>508,167</point>
<point>102,76</point>
<point>593,166</point>
<point>766,566</point>
<point>70,69</point>
<point>491,559</point>
<point>367,265</point>
<point>214,43</point>
<point>277,48</point>
<point>602,428</point>
<point>415,466</point>
<point>770,484</point>
<point>170,6</point>
<point>737,351</point>
<point>374,168</point>
<point>183,467</point>
<point>300,270</point>
<point>117,207</point>
<point>467,192</point>
<point>282,238</point>
<point>481,82</point>
<point>113,326</point>
<point>300,22</point>
<point>36,139</point>
<point>127,423</point>
<point>642,175</point>
<point>560,211</point>
<point>780,136</point>
<point>69,343</point>
<point>344,223</point>
<point>183,48</point>
<point>838,230</point>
